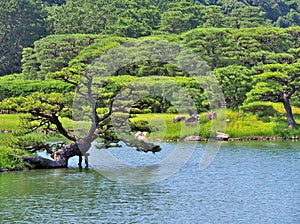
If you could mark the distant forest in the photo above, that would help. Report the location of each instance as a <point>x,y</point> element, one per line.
<point>22,22</point>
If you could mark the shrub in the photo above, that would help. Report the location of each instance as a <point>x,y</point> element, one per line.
<point>20,87</point>
<point>135,111</point>
<point>140,125</point>
<point>172,110</point>
<point>10,158</point>
<point>263,111</point>
<point>281,130</point>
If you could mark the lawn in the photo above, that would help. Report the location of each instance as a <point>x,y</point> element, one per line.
<point>9,121</point>
<point>238,124</point>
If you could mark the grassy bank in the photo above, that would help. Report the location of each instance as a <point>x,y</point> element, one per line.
<point>11,158</point>
<point>11,121</point>
<point>238,125</point>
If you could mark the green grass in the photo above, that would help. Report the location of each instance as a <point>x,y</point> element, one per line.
<point>162,127</point>
<point>239,124</point>
<point>247,125</point>
<point>9,121</point>
<point>10,157</point>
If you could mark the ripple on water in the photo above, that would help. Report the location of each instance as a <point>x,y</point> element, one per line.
<point>246,183</point>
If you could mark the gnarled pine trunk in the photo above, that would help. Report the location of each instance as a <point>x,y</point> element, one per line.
<point>288,110</point>
<point>60,158</point>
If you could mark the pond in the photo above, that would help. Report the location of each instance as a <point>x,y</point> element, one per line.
<point>247,182</point>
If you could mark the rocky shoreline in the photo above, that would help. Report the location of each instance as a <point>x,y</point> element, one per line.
<point>201,139</point>
<point>2,170</point>
<point>264,139</point>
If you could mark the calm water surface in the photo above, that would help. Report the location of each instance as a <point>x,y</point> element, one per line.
<point>246,183</point>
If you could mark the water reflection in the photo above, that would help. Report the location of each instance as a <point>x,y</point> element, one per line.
<point>246,183</point>
<point>139,171</point>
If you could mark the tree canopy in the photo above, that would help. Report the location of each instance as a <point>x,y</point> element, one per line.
<point>23,22</point>
<point>231,53</point>
<point>277,83</point>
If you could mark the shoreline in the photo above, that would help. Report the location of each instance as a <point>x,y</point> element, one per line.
<point>5,170</point>
<point>237,139</point>
<point>197,139</point>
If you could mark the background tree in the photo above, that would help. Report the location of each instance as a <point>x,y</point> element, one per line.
<point>214,17</point>
<point>236,81</point>
<point>180,16</point>
<point>277,83</point>
<point>254,45</point>
<point>21,23</point>
<point>123,18</point>
<point>290,19</point>
<point>248,16</point>
<point>53,53</point>
<point>55,2</point>
<point>275,11</point>
<point>229,5</point>
<point>210,43</point>
<point>174,22</point>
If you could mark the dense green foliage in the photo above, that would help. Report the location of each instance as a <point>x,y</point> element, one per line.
<point>129,18</point>
<point>251,46</point>
<point>11,159</point>
<point>140,18</point>
<point>21,23</point>
<point>54,2</point>
<point>247,47</point>
<point>237,56</point>
<point>53,53</point>
<point>13,86</point>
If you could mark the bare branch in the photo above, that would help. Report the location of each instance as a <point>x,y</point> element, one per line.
<point>53,119</point>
